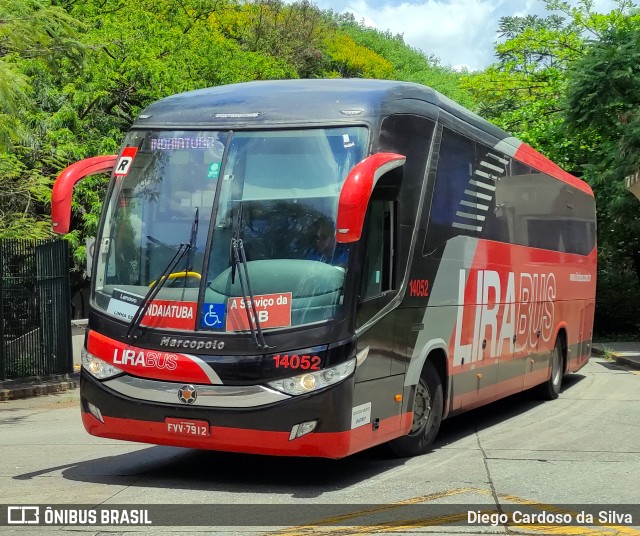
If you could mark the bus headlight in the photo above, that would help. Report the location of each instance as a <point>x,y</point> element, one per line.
<point>312,381</point>
<point>97,367</point>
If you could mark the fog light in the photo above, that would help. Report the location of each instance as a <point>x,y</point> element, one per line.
<point>95,412</point>
<point>301,429</point>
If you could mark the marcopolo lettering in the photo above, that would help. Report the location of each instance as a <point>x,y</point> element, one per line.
<point>193,344</point>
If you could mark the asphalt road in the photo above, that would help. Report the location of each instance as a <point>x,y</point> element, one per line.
<point>582,449</point>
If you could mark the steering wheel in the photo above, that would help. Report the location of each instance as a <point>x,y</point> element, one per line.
<point>178,277</point>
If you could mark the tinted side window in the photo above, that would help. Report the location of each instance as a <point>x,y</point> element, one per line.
<point>490,171</point>
<point>464,197</point>
<point>377,276</point>
<point>542,212</point>
<point>409,135</point>
<point>483,193</point>
<point>562,218</point>
<point>453,204</point>
<point>452,179</point>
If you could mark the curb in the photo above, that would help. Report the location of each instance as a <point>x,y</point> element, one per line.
<point>632,361</point>
<point>30,387</point>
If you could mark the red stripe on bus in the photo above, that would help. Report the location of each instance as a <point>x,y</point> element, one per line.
<point>528,155</point>
<point>153,364</point>
<point>326,445</point>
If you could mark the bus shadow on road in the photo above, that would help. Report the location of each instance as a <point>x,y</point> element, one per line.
<point>200,470</point>
<point>485,417</point>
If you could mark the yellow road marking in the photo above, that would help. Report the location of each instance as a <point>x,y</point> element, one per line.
<point>554,530</point>
<point>294,531</point>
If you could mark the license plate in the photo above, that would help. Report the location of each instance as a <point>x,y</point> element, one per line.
<point>185,427</point>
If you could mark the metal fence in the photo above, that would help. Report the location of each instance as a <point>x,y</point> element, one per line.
<point>35,309</point>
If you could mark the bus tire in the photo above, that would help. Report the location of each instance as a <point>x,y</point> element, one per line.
<point>550,390</point>
<point>428,407</point>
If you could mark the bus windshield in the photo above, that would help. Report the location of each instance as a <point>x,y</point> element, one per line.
<point>276,191</point>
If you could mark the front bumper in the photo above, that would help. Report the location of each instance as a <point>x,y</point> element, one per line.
<point>256,430</point>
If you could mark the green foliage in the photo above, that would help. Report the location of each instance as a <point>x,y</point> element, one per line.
<point>350,59</point>
<point>29,30</point>
<point>522,91</point>
<point>294,33</point>
<point>604,91</point>
<point>20,190</point>
<point>603,98</point>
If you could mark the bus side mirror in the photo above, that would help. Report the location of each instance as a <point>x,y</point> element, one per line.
<point>356,192</point>
<point>63,188</point>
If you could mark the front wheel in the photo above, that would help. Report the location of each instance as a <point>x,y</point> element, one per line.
<point>428,408</point>
<point>550,390</point>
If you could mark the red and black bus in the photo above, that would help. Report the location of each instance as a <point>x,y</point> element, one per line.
<point>314,267</point>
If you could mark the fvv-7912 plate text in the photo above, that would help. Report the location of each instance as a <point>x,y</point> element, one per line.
<point>187,427</point>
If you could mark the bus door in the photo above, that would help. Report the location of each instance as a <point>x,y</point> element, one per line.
<point>377,290</point>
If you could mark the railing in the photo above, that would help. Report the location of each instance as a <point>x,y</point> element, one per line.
<point>35,310</point>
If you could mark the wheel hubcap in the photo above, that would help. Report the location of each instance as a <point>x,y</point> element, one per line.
<point>556,367</point>
<point>421,407</point>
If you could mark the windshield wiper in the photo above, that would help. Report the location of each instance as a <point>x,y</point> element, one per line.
<point>192,245</point>
<point>151,294</point>
<point>240,258</point>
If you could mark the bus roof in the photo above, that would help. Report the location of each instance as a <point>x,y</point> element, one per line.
<point>261,104</point>
<point>297,101</point>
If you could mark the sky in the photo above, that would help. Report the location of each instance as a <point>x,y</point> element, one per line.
<point>459,32</point>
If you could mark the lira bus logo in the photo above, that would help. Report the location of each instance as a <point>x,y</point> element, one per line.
<point>506,315</point>
<point>140,358</point>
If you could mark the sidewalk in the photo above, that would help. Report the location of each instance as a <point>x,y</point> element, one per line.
<point>29,387</point>
<point>625,353</point>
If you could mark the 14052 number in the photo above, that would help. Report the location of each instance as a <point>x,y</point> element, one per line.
<point>304,362</point>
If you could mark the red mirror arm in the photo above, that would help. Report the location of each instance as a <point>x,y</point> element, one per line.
<point>356,192</point>
<point>63,188</point>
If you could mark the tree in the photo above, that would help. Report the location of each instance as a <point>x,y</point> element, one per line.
<point>33,35</point>
<point>523,92</point>
<point>295,33</point>
<point>603,99</point>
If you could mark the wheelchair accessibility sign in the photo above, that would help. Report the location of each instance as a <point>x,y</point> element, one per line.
<point>213,315</point>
